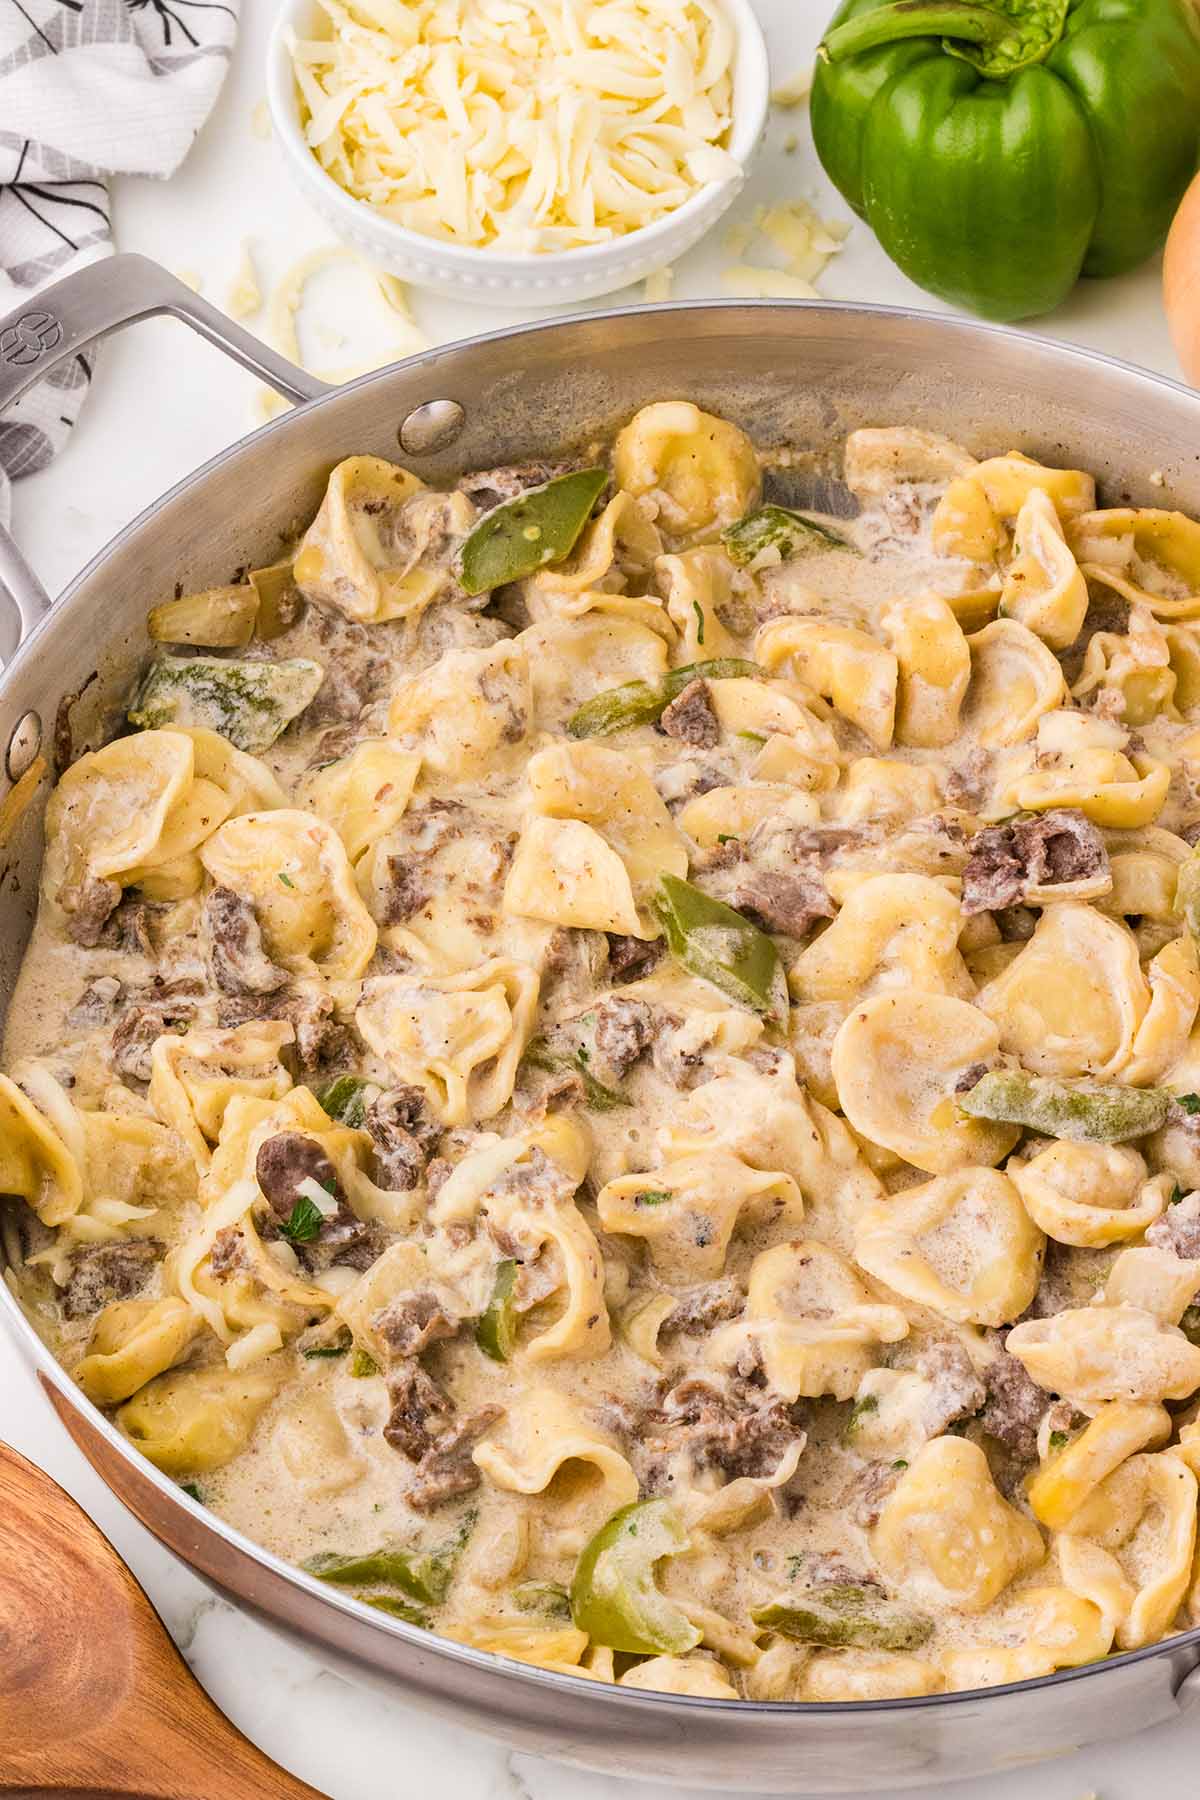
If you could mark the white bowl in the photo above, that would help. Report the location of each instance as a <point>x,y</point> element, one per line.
<point>532,279</point>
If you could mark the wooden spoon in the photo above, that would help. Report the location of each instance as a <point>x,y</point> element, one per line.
<point>96,1703</point>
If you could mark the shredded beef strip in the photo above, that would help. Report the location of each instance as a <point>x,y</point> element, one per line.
<point>420,1412</point>
<point>446,1471</point>
<point>703,1307</point>
<point>1014,1406</point>
<point>403,1137</point>
<point>410,1324</point>
<point>789,902</point>
<point>88,910</point>
<point>1006,861</point>
<point>102,1273</point>
<point>239,963</point>
<point>630,958</point>
<point>690,717</point>
<point>1178,1229</point>
<point>322,1041</point>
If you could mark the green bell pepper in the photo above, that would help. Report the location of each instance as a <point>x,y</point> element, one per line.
<point>842,1616</point>
<point>596,1096</point>
<point>525,534</point>
<point>614,1597</point>
<point>719,944</point>
<point>778,528</point>
<point>642,702</point>
<point>346,1098</point>
<point>423,1576</point>
<point>496,1332</point>
<point>1001,148</point>
<point>1084,1112</point>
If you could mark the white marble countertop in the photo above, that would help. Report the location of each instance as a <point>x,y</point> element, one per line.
<point>164,401</point>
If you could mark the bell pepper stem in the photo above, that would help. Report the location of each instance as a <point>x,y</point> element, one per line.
<point>914,19</point>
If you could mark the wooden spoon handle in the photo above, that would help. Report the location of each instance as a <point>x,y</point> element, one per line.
<point>96,1703</point>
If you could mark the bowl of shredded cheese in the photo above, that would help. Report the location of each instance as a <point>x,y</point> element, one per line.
<point>519,151</point>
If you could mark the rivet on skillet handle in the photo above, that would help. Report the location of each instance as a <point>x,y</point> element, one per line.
<point>433,426</point>
<point>65,319</point>
<point>23,745</point>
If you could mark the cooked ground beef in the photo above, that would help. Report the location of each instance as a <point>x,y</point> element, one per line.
<point>284,1162</point>
<point>630,958</point>
<point>87,910</point>
<point>102,1273</point>
<point>149,1016</point>
<point>1178,1229</point>
<point>322,1041</point>
<point>420,1412</point>
<point>239,963</point>
<point>690,717</point>
<point>791,902</point>
<point>703,1307</point>
<point>1014,1406</point>
<point>624,1031</point>
<point>403,1137</point>
<point>446,1470</point>
<point>410,1324</point>
<point>1006,861</point>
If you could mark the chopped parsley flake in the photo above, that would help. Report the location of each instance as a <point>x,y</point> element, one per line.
<point>1189,1102</point>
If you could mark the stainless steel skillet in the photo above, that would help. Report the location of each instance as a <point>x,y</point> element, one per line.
<point>799,374</point>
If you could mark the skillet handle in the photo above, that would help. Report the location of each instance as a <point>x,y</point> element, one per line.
<point>60,322</point>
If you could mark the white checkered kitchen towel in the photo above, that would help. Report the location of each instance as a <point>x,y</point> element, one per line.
<point>88,89</point>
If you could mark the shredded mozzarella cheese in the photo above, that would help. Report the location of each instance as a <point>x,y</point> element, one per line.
<point>524,125</point>
<point>312,1190</point>
<point>805,240</point>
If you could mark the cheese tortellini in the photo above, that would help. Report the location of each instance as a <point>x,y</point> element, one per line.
<point>651,1129</point>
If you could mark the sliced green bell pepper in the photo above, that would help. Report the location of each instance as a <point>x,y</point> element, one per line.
<point>530,531</point>
<point>1082,1111</point>
<point>777,528</point>
<point>614,1597</point>
<point>720,945</point>
<point>843,1616</point>
<point>496,1332</point>
<point>642,702</point>
<point>596,1096</point>
<point>1001,148</point>
<point>542,1599</point>
<point>424,1575</point>
<point>345,1099</point>
<point>248,701</point>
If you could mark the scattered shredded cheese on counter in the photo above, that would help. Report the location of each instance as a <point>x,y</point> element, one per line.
<point>404,335</point>
<point>527,125</point>
<point>793,90</point>
<point>658,286</point>
<point>803,239</point>
<point>245,296</point>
